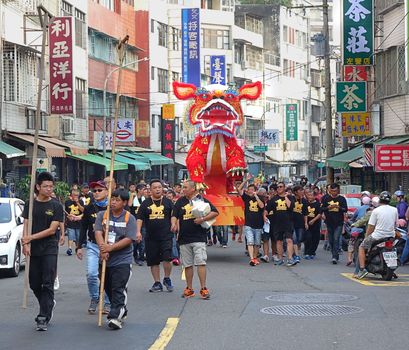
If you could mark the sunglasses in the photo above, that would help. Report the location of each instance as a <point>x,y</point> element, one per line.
<point>280,186</point>
<point>98,190</point>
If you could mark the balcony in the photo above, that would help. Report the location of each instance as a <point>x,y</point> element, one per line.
<point>385,6</point>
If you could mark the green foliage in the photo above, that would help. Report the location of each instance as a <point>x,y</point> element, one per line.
<point>23,188</point>
<point>61,190</point>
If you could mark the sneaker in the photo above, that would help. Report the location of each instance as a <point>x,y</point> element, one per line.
<point>297,258</point>
<point>157,287</point>
<point>168,284</point>
<point>252,262</point>
<point>176,262</point>
<point>362,273</point>
<point>139,262</point>
<point>52,311</point>
<point>334,261</point>
<point>69,251</point>
<point>209,243</point>
<point>92,309</point>
<point>188,293</point>
<point>56,283</point>
<point>257,262</point>
<point>265,258</point>
<point>214,239</point>
<point>106,309</point>
<point>41,324</point>
<point>279,262</point>
<point>291,262</point>
<point>114,323</point>
<point>307,257</point>
<point>312,257</point>
<point>204,293</point>
<point>224,245</point>
<point>233,237</point>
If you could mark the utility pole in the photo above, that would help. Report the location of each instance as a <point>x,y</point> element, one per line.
<point>328,110</point>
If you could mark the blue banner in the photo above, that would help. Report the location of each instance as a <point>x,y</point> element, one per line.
<point>218,70</point>
<point>191,46</point>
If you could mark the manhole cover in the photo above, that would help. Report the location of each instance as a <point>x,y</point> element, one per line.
<point>310,297</point>
<point>311,310</point>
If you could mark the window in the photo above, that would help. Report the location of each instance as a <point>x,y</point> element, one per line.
<point>129,2</point>
<point>80,29</point>
<point>129,108</point>
<point>31,115</point>
<point>80,89</point>
<point>153,121</point>
<point>162,34</point>
<point>163,84</point>
<point>215,39</point>
<point>175,38</point>
<point>175,76</point>
<point>152,73</point>
<point>252,130</point>
<point>66,9</point>
<point>109,4</point>
<point>238,53</point>
<point>254,57</point>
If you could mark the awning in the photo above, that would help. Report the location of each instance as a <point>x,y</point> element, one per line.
<point>51,149</point>
<point>156,159</point>
<point>95,159</point>
<point>10,151</point>
<point>253,158</point>
<point>76,150</point>
<point>180,158</point>
<point>138,164</point>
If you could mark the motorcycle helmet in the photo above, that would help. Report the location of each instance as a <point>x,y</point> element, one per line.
<point>365,194</point>
<point>385,197</point>
<point>399,193</point>
<point>402,223</point>
<point>375,201</point>
<point>366,201</point>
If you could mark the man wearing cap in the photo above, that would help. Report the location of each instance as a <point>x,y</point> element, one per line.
<point>87,239</point>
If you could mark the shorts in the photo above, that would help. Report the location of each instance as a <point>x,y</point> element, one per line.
<point>157,251</point>
<point>253,235</point>
<point>193,254</point>
<point>368,242</point>
<point>266,236</point>
<point>351,244</point>
<point>73,234</point>
<point>298,235</point>
<point>281,235</point>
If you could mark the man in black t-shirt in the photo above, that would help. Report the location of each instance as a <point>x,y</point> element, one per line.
<point>312,234</point>
<point>155,213</point>
<point>192,237</point>
<point>135,200</point>
<point>42,246</point>
<point>73,219</point>
<point>299,219</point>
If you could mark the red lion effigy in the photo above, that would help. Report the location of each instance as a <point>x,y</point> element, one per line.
<point>215,160</point>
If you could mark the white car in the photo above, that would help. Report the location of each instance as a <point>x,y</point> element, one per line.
<point>11,231</point>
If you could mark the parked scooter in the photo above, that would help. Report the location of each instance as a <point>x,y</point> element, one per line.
<point>382,258</point>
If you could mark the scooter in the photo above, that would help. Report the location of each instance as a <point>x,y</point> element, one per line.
<point>382,258</point>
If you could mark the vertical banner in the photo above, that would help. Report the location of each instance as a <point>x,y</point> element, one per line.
<point>218,70</point>
<point>351,96</point>
<point>358,32</point>
<point>168,138</point>
<point>61,75</point>
<point>191,46</point>
<point>291,113</point>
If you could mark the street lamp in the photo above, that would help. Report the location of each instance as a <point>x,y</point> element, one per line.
<point>104,126</point>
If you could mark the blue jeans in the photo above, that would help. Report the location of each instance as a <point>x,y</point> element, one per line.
<point>93,271</point>
<point>175,248</point>
<point>222,233</point>
<point>298,236</point>
<point>73,234</point>
<point>139,247</point>
<point>334,234</point>
<point>405,254</point>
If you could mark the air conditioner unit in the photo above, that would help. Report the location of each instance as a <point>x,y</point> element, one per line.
<point>183,141</point>
<point>68,126</point>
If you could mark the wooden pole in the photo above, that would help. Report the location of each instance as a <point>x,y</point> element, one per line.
<point>121,54</point>
<point>44,20</point>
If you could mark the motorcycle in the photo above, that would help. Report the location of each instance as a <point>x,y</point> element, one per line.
<point>382,258</point>
<point>400,241</point>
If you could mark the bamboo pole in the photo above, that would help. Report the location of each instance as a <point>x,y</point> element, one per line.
<point>121,54</point>
<point>45,19</point>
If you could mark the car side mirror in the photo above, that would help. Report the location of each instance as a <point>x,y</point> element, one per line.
<point>20,220</point>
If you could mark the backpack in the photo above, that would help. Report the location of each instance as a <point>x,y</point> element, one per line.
<point>127,214</point>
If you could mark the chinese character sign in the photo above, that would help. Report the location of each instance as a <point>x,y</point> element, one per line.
<point>142,128</point>
<point>191,46</point>
<point>269,136</point>
<point>291,111</point>
<point>358,36</point>
<point>168,138</point>
<point>99,140</point>
<point>355,73</point>
<point>125,130</point>
<point>218,70</point>
<point>392,158</point>
<point>61,75</point>
<point>355,124</point>
<point>351,96</point>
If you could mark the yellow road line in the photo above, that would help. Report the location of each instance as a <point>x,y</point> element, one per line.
<point>183,274</point>
<point>378,282</point>
<point>166,335</point>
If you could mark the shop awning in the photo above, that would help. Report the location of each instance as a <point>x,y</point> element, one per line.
<point>180,158</point>
<point>51,149</point>
<point>253,158</point>
<point>95,159</point>
<point>155,158</point>
<point>10,151</point>
<point>76,150</point>
<point>122,158</point>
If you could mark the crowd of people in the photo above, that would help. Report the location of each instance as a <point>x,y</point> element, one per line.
<point>157,224</point>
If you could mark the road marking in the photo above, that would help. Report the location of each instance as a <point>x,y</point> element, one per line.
<point>372,281</point>
<point>166,335</point>
<point>183,274</point>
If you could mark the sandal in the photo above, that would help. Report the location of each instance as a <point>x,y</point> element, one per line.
<point>349,263</point>
<point>240,240</point>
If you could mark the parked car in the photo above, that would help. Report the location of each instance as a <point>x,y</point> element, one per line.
<point>11,232</point>
<point>353,202</point>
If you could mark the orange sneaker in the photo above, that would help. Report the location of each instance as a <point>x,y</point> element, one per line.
<point>204,293</point>
<point>256,261</point>
<point>188,293</point>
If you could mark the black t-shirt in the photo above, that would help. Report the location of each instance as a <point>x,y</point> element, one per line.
<point>299,211</point>
<point>334,217</point>
<point>314,209</point>
<point>156,215</point>
<point>73,209</point>
<point>44,213</point>
<point>86,199</point>
<point>253,214</point>
<point>282,215</point>
<point>189,232</point>
<point>136,203</point>
<point>87,224</point>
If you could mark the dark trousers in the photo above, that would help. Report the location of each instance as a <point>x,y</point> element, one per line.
<point>334,233</point>
<point>139,247</point>
<point>42,274</point>
<point>312,239</point>
<point>116,285</point>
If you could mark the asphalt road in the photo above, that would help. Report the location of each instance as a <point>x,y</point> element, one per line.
<point>231,319</point>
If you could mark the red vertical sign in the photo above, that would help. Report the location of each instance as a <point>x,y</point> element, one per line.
<point>61,77</point>
<point>168,138</point>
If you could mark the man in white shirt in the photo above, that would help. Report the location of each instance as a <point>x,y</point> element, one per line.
<point>382,224</point>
